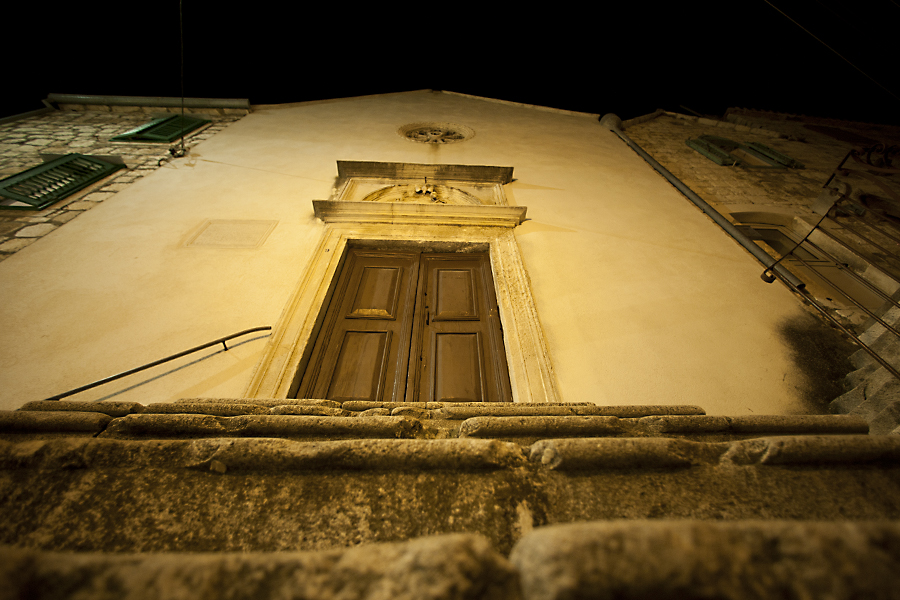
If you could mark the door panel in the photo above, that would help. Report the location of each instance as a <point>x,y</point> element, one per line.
<point>362,350</point>
<point>457,336</point>
<point>455,295</point>
<point>377,294</point>
<point>361,366</point>
<point>410,326</point>
<point>458,367</point>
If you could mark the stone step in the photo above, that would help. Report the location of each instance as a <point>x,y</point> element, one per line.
<point>253,494</point>
<point>615,559</point>
<point>443,410</point>
<point>519,423</point>
<point>565,454</point>
<point>689,559</point>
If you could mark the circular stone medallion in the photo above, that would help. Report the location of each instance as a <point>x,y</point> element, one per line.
<point>436,133</point>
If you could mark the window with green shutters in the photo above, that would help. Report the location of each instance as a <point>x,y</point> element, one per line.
<point>41,186</point>
<point>166,130</point>
<point>754,155</point>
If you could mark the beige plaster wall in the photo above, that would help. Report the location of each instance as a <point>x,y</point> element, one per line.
<point>642,299</point>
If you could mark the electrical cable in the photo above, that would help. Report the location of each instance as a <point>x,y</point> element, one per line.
<point>174,151</point>
<point>872,79</point>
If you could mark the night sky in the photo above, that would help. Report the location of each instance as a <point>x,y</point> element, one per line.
<point>629,59</point>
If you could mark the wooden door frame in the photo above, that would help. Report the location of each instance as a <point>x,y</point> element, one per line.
<point>288,349</point>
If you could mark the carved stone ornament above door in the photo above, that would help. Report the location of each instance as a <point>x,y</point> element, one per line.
<point>404,193</point>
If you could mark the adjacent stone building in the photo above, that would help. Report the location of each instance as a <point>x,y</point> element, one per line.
<point>487,343</point>
<point>843,204</point>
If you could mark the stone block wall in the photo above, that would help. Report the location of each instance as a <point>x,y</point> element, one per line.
<point>729,189</point>
<point>24,142</point>
<point>278,498</point>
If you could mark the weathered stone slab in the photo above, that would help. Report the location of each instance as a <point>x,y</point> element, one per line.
<point>261,426</point>
<point>363,405</point>
<point>52,421</point>
<point>632,453</point>
<point>685,424</point>
<point>309,409</point>
<point>878,398</point>
<point>822,449</point>
<point>617,453</point>
<point>375,412</point>
<point>756,424</point>
<point>168,425</point>
<point>378,427</point>
<point>360,405</point>
<point>127,496</point>
<point>267,402</point>
<point>823,424</point>
<point>34,231</point>
<point>521,410</point>
<point>111,408</point>
<point>539,426</point>
<point>635,412</point>
<point>265,454</point>
<point>887,420</point>
<point>449,567</point>
<point>433,405</point>
<point>848,401</point>
<point>205,408</point>
<point>413,413</point>
<point>688,559</point>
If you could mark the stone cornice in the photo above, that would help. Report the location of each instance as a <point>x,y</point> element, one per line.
<point>393,213</point>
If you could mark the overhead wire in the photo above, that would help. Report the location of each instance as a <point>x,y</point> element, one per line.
<point>179,152</point>
<point>845,59</point>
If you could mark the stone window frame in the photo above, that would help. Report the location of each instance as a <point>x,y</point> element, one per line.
<point>287,351</point>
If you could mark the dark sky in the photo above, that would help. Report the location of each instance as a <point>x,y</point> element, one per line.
<point>629,59</point>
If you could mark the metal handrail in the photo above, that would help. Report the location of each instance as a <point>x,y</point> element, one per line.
<point>99,382</point>
<point>865,347</point>
<point>849,297</point>
<point>807,298</point>
<point>844,268</point>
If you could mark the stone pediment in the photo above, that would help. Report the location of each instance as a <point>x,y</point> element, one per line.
<point>406,183</point>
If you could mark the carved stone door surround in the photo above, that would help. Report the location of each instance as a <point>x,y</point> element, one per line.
<point>456,225</point>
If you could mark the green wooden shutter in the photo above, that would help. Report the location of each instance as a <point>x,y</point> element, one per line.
<point>780,158</point>
<point>44,184</point>
<point>722,152</point>
<point>712,151</point>
<point>167,129</point>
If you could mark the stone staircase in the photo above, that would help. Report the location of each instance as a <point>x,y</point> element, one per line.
<point>873,392</point>
<point>248,498</point>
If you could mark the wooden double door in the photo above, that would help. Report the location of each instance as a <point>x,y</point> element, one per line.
<point>410,326</point>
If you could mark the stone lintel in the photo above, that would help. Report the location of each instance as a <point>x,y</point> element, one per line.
<point>394,213</point>
<point>435,173</point>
